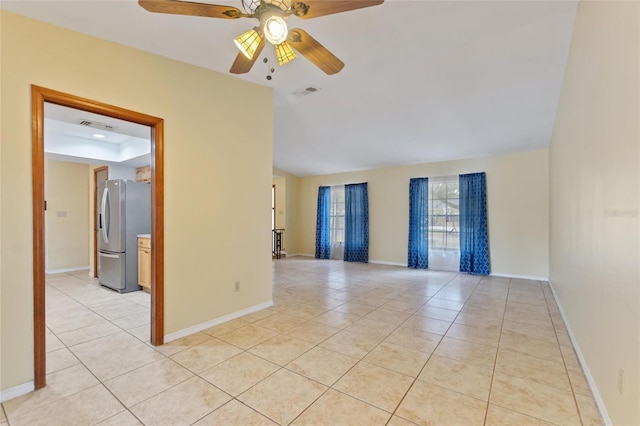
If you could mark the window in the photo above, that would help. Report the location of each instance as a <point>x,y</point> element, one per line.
<point>340,235</point>
<point>444,213</point>
<point>336,222</point>
<point>337,214</point>
<point>456,233</point>
<point>444,223</point>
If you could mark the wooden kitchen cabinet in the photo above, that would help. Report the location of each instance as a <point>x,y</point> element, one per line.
<point>143,174</point>
<point>144,262</point>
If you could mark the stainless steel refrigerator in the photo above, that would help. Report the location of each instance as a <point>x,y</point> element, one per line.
<point>124,211</point>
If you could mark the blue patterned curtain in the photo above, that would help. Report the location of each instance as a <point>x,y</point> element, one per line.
<point>356,228</point>
<point>418,223</point>
<point>323,246</point>
<point>474,235</point>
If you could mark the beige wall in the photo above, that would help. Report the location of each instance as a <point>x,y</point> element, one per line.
<point>594,214</point>
<point>217,176</point>
<point>517,196</point>
<point>66,220</point>
<point>291,210</point>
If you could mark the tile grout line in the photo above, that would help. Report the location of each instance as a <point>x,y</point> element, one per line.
<point>566,369</point>
<point>93,311</point>
<point>103,383</point>
<point>318,346</point>
<point>68,348</point>
<point>533,356</point>
<point>308,378</point>
<point>344,374</point>
<point>4,412</point>
<point>280,367</point>
<point>432,352</point>
<point>377,288</point>
<point>495,361</point>
<point>100,381</point>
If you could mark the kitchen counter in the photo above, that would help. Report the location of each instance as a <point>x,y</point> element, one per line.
<point>144,235</point>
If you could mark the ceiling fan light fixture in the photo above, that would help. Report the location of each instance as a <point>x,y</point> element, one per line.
<point>248,43</point>
<point>285,53</point>
<point>272,16</point>
<point>275,30</point>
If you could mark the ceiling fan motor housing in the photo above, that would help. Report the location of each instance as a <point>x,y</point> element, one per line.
<point>252,5</point>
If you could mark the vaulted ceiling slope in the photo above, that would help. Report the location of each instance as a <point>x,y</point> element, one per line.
<point>424,80</point>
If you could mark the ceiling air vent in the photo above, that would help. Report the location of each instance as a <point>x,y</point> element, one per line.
<point>304,92</point>
<point>97,125</point>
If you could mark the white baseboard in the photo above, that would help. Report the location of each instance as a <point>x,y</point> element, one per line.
<point>583,362</point>
<point>217,321</point>
<point>60,271</point>
<point>384,262</point>
<point>521,277</point>
<point>16,391</point>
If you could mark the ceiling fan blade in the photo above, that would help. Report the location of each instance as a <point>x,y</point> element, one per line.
<point>314,51</point>
<point>242,64</point>
<point>192,9</point>
<point>318,8</point>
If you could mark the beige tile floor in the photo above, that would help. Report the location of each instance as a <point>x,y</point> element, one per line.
<point>344,344</point>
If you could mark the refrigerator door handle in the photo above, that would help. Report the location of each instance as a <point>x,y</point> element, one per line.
<point>110,256</point>
<point>105,228</point>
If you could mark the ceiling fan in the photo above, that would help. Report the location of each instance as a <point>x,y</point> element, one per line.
<point>272,16</point>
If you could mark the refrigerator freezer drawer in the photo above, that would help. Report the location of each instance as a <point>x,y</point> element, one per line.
<point>111,270</point>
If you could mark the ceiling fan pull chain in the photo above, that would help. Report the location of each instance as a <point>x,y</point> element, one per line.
<point>266,61</point>
<point>269,60</point>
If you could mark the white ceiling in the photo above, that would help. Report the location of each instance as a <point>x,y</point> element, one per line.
<point>424,80</point>
<point>65,139</point>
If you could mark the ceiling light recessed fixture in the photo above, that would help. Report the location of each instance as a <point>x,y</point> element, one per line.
<point>99,135</point>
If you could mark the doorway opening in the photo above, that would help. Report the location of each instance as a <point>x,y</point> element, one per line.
<point>39,96</point>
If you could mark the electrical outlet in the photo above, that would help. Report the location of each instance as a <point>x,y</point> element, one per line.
<point>237,286</point>
<point>620,379</point>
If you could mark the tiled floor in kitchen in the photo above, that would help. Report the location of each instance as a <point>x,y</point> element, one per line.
<point>344,344</point>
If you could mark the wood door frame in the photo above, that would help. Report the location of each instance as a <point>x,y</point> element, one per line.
<point>95,225</point>
<point>40,95</point>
